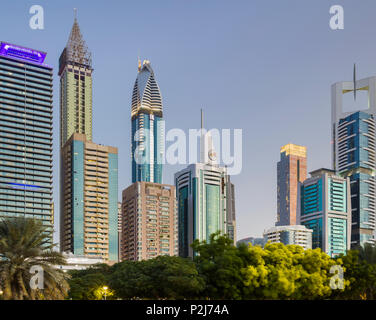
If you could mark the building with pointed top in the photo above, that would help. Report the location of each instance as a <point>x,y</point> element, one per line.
<point>88,171</point>
<point>147,136</point>
<point>75,71</point>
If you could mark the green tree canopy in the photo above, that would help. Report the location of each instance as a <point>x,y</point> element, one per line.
<point>164,277</point>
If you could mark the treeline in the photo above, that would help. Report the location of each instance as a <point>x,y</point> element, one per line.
<point>222,271</point>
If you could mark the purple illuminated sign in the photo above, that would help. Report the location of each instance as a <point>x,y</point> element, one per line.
<point>11,50</point>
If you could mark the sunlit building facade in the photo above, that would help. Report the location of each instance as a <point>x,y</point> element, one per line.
<point>291,169</point>
<point>25,134</point>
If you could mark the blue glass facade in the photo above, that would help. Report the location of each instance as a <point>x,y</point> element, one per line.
<point>148,148</point>
<point>147,140</point>
<point>203,202</point>
<point>324,208</point>
<point>356,160</point>
<point>25,135</point>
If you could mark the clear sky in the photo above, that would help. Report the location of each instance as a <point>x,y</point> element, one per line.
<point>260,65</point>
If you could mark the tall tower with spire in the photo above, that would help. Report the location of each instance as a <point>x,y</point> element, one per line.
<point>147,146</point>
<point>88,171</point>
<point>75,71</point>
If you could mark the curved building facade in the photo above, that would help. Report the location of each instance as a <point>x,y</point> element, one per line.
<point>147,140</point>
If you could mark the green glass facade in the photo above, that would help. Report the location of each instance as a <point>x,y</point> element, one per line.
<point>205,205</point>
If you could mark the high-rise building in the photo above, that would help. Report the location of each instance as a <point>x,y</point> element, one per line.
<point>353,154</point>
<point>325,208</point>
<point>205,199</point>
<point>149,221</point>
<point>291,169</point>
<point>89,213</point>
<point>25,134</point>
<point>294,234</point>
<point>147,136</point>
<point>75,71</point>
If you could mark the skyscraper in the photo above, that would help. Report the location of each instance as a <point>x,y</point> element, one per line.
<point>89,213</point>
<point>291,169</point>
<point>149,221</point>
<point>325,208</point>
<point>25,134</point>
<point>89,171</point>
<point>205,198</point>
<point>147,137</point>
<point>353,154</point>
<point>75,71</point>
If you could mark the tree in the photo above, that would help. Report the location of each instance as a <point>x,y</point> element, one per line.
<point>288,272</point>
<point>86,284</point>
<point>163,277</point>
<point>360,271</point>
<point>220,263</point>
<point>24,243</point>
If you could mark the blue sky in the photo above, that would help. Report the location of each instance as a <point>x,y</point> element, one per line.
<point>260,65</point>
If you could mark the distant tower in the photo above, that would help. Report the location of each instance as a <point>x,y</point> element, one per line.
<point>147,127</point>
<point>354,152</point>
<point>75,70</point>
<point>291,169</point>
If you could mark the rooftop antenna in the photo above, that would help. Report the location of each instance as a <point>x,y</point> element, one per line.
<point>354,80</point>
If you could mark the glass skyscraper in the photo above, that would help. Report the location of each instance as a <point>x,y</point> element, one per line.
<point>354,155</point>
<point>205,198</point>
<point>147,136</point>
<point>25,134</point>
<point>88,171</point>
<point>325,207</point>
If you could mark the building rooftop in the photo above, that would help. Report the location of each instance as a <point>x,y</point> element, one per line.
<point>294,150</point>
<point>321,171</point>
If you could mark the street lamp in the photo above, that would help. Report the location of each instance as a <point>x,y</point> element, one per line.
<point>105,288</point>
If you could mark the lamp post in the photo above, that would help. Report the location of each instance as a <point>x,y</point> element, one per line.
<point>105,288</point>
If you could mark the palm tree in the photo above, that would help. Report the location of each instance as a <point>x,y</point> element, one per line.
<point>24,243</point>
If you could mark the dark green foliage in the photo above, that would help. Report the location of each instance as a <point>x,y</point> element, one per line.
<point>83,283</point>
<point>360,270</point>
<point>164,277</point>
